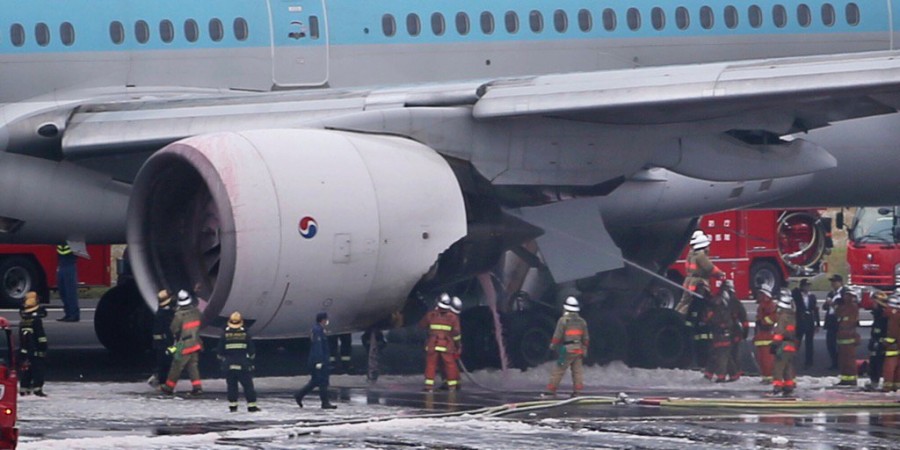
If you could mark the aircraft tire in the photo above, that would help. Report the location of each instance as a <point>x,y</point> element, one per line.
<point>123,322</point>
<point>661,340</point>
<point>528,339</point>
<point>608,339</point>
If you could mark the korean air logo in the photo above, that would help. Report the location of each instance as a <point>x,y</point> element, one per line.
<point>308,227</point>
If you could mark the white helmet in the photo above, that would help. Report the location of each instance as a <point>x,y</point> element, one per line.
<point>853,291</point>
<point>765,289</point>
<point>456,305</point>
<point>571,304</point>
<point>444,302</point>
<point>894,301</point>
<point>184,298</point>
<point>699,240</point>
<point>785,300</point>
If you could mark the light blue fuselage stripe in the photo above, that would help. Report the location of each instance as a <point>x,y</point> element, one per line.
<point>359,22</point>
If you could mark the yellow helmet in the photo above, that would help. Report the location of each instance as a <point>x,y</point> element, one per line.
<point>164,297</point>
<point>235,321</point>
<point>31,302</point>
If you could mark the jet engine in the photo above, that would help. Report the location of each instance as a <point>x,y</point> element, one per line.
<point>282,224</point>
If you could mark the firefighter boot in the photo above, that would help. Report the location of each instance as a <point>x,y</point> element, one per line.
<point>39,392</point>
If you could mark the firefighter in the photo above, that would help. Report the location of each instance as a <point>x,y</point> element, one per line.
<point>443,330</point>
<point>697,267</point>
<point>721,325</point>
<point>847,313</point>
<point>456,307</point>
<point>762,336</point>
<point>318,363</point>
<point>891,340</point>
<point>876,340</point>
<point>697,322</point>
<point>571,340</point>
<point>187,345</point>
<point>830,322</point>
<point>32,347</point>
<point>740,331</point>
<point>236,353</point>
<point>341,360</point>
<point>162,337</point>
<point>784,345</point>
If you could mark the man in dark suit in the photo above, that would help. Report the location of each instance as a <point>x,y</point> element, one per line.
<point>807,318</point>
<point>831,324</point>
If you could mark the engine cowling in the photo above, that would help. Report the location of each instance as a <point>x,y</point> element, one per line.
<point>282,224</point>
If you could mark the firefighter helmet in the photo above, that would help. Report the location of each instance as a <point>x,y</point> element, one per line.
<point>235,320</point>
<point>571,304</point>
<point>184,298</point>
<point>444,302</point>
<point>699,240</point>
<point>456,305</point>
<point>765,289</point>
<point>164,297</point>
<point>851,291</point>
<point>894,301</point>
<point>785,300</point>
<point>31,302</point>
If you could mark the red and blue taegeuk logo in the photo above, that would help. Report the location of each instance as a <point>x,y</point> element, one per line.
<point>308,227</point>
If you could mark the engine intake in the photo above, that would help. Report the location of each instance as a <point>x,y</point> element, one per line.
<point>281,224</point>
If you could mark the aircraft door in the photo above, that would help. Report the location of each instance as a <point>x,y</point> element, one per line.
<point>299,42</point>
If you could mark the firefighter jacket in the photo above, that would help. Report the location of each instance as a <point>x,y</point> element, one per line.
<point>162,334</point>
<point>32,338</point>
<point>698,267</point>
<point>740,324</point>
<point>572,333</point>
<point>891,339</point>
<point>878,330</point>
<point>697,319</point>
<point>443,331</point>
<point>319,351</point>
<point>185,329</point>
<point>765,322</point>
<point>236,349</point>
<point>720,322</point>
<point>784,338</point>
<point>847,314</point>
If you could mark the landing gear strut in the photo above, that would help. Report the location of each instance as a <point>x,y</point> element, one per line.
<point>123,322</point>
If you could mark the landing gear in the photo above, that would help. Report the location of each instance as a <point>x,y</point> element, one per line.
<point>660,339</point>
<point>122,321</point>
<point>528,337</point>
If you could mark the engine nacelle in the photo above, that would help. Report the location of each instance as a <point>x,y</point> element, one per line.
<point>282,224</point>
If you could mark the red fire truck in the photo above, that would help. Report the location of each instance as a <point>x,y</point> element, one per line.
<point>9,434</point>
<point>764,245</point>
<point>873,253</point>
<point>26,268</point>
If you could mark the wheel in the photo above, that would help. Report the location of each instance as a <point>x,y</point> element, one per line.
<point>660,339</point>
<point>122,321</point>
<point>18,275</point>
<point>527,338</point>
<point>767,273</point>
<point>609,339</point>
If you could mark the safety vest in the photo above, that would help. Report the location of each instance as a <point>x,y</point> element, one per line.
<point>891,339</point>
<point>571,332</point>
<point>847,317</point>
<point>785,334</point>
<point>443,331</point>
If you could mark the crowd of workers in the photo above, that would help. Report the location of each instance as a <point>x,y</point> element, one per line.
<point>784,319</point>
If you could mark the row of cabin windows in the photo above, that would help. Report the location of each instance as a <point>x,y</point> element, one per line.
<point>42,34</point>
<point>731,17</point>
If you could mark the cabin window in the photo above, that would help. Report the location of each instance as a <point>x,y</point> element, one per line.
<point>117,32</point>
<point>42,34</point>
<point>314,32</point>
<point>141,31</point>
<point>609,19</point>
<point>560,21</point>
<point>413,24</point>
<point>438,25</point>
<point>241,29</point>
<point>706,17</point>
<point>388,25</point>
<point>216,30</point>
<point>511,19</point>
<point>633,16</point>
<point>585,21</point>
<point>167,31</point>
<point>67,33</point>
<point>487,22</point>
<point>731,17</point>
<point>658,18</point>
<point>852,13</point>
<point>755,16</point>
<point>536,21</point>
<point>779,16</point>
<point>191,30</point>
<point>804,15</point>
<point>682,18</point>
<point>462,23</point>
<point>828,15</point>
<point>17,34</point>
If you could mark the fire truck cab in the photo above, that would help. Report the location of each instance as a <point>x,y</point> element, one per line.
<point>9,434</point>
<point>873,254</point>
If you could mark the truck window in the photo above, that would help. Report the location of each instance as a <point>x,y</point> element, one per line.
<point>872,225</point>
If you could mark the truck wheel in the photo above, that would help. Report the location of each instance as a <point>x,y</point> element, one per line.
<point>661,340</point>
<point>767,272</point>
<point>18,276</point>
<point>122,321</point>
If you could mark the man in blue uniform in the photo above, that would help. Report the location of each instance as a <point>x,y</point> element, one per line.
<point>318,363</point>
